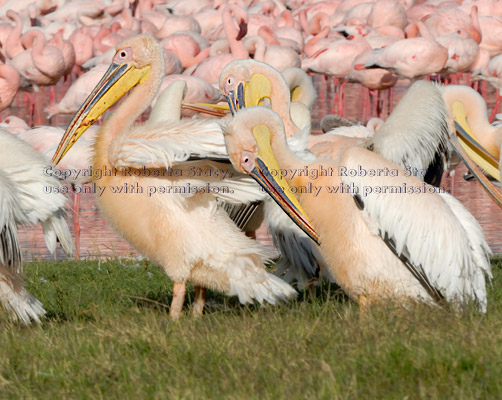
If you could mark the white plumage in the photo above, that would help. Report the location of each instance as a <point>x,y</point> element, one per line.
<point>387,234</point>
<point>28,195</point>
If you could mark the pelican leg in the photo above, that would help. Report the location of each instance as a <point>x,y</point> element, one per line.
<point>76,222</point>
<point>179,290</point>
<point>200,299</point>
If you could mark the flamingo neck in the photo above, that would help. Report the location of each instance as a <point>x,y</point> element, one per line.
<point>12,45</point>
<point>257,46</point>
<point>476,33</point>
<point>236,46</point>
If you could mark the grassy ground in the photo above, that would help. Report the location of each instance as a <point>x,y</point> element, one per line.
<point>107,335</point>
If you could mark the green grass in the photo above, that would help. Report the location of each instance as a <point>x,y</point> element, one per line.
<point>107,335</point>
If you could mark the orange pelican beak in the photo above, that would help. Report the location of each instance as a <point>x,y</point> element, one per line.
<point>473,154</point>
<point>263,167</point>
<point>116,82</point>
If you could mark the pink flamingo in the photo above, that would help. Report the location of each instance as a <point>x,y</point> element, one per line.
<point>40,64</point>
<point>210,68</point>
<point>184,45</point>
<point>462,52</point>
<point>77,92</point>
<point>66,49</point>
<point>388,13</point>
<point>13,46</point>
<point>279,57</point>
<point>175,23</point>
<point>14,124</point>
<point>493,75</point>
<point>375,80</point>
<point>491,32</point>
<point>410,58</point>
<point>9,85</point>
<point>336,60</point>
<point>82,40</point>
<point>446,20</point>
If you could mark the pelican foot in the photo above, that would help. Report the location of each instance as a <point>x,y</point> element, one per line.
<point>200,298</point>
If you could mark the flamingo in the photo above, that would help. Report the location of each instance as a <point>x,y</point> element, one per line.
<point>374,243</point>
<point>77,92</point>
<point>336,60</point>
<point>410,58</point>
<point>280,57</point>
<point>449,19</point>
<point>210,68</point>
<point>491,29</point>
<point>9,85</point>
<point>187,234</point>
<point>27,196</point>
<point>41,64</point>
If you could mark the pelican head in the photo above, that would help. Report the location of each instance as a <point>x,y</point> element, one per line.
<point>250,137</point>
<point>247,83</point>
<point>472,153</point>
<point>131,66</point>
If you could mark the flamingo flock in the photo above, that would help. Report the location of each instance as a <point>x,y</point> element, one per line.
<point>225,88</point>
<point>373,43</point>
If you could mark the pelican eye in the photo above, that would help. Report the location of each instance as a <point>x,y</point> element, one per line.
<point>123,55</point>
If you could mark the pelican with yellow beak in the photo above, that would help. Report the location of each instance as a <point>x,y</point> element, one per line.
<point>383,234</point>
<point>160,199</point>
<point>476,141</point>
<point>415,137</point>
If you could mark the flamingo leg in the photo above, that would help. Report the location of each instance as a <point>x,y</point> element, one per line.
<point>341,98</point>
<point>391,99</point>
<point>365,94</point>
<point>336,94</point>
<point>200,299</point>
<point>495,107</point>
<point>179,291</point>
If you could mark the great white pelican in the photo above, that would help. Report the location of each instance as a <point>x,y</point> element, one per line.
<point>167,207</point>
<point>383,233</point>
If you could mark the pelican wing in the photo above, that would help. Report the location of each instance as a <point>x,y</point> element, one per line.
<point>10,252</point>
<point>301,260</point>
<point>38,192</point>
<point>195,148</point>
<point>165,144</point>
<point>13,295</point>
<point>416,130</point>
<point>434,235</point>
